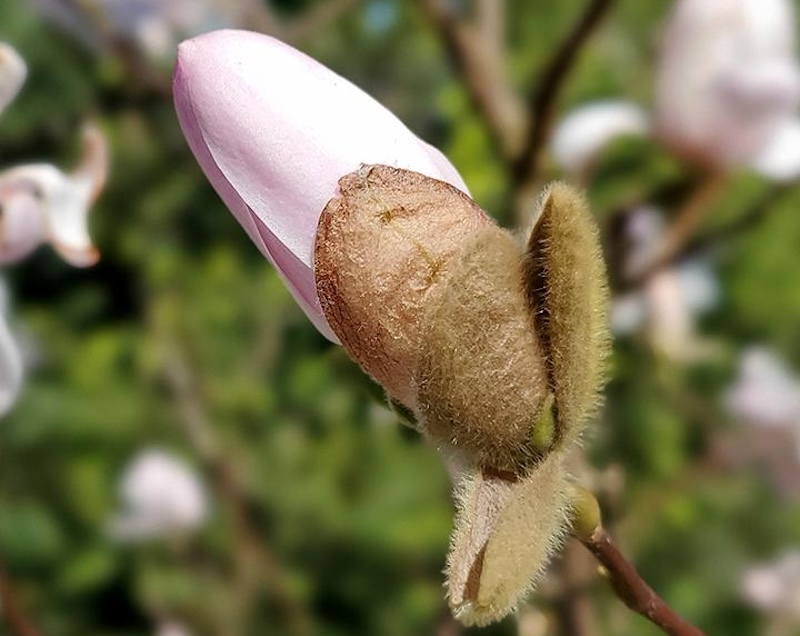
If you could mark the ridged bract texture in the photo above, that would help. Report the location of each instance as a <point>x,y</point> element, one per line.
<point>383,245</point>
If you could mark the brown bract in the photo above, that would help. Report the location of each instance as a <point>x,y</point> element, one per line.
<point>383,246</point>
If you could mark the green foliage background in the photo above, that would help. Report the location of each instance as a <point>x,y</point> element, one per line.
<point>339,519</point>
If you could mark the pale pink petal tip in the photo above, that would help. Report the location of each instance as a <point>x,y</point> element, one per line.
<point>274,130</point>
<point>42,203</point>
<point>11,362</point>
<point>12,74</point>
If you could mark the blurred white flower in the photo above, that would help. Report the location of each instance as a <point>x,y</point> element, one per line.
<point>727,77</point>
<point>12,74</point>
<point>170,627</point>
<point>766,392</point>
<point>11,359</point>
<point>581,135</point>
<point>726,94</point>
<point>667,305</point>
<point>775,587</point>
<point>779,159</point>
<point>161,496</point>
<point>41,203</point>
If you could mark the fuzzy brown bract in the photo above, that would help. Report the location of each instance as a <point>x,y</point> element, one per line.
<point>383,246</point>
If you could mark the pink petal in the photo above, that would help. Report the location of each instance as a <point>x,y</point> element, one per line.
<point>274,130</point>
<point>22,228</point>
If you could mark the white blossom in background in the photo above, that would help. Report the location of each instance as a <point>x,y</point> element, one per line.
<point>12,365</point>
<point>726,92</point>
<point>668,303</point>
<point>774,588</point>
<point>766,391</point>
<point>40,203</point>
<point>582,134</point>
<point>161,495</point>
<point>170,627</point>
<point>13,72</point>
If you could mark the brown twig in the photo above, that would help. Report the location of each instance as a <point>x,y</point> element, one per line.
<point>255,559</point>
<point>632,589</point>
<point>750,218</point>
<point>476,50</point>
<point>541,104</point>
<point>682,228</point>
<point>11,611</point>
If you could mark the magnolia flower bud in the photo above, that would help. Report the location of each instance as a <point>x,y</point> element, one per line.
<point>494,344</point>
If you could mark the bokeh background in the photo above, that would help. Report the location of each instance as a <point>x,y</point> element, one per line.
<point>315,510</point>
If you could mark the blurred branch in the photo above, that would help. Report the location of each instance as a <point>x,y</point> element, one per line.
<point>476,50</point>
<point>631,589</point>
<point>317,19</point>
<point>750,218</point>
<point>10,610</point>
<point>260,16</point>
<point>256,559</point>
<point>680,231</point>
<point>543,98</point>
<point>573,606</point>
<point>139,69</point>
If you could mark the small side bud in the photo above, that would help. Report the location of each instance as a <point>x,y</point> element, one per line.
<point>382,246</point>
<point>585,513</point>
<point>568,297</point>
<point>506,532</point>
